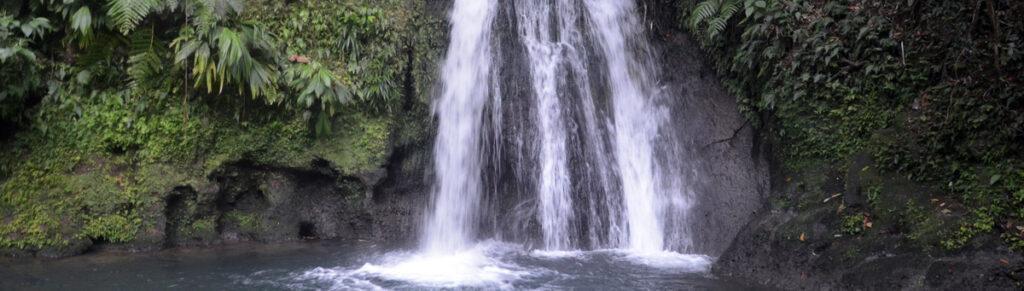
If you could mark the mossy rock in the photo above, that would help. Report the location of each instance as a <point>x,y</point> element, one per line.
<point>249,223</point>
<point>359,146</point>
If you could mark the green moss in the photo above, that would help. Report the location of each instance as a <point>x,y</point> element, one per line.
<point>994,195</point>
<point>830,130</point>
<point>246,222</point>
<point>852,224</point>
<point>924,227</point>
<point>32,228</point>
<point>92,176</point>
<point>273,142</point>
<point>874,196</point>
<point>204,229</point>
<point>360,145</point>
<point>115,228</point>
<point>1014,240</point>
<point>353,192</point>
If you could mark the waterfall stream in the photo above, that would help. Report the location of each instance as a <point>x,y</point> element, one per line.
<point>466,72</point>
<point>553,163</point>
<point>586,136</point>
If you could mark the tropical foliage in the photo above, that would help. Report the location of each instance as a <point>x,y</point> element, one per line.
<point>193,48</point>
<point>19,70</point>
<point>106,104</point>
<point>359,45</point>
<point>930,89</point>
<point>713,15</point>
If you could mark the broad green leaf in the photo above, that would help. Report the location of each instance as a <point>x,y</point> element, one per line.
<point>81,21</point>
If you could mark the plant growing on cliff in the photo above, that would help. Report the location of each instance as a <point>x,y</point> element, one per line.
<point>853,224</point>
<point>125,99</point>
<point>19,66</point>
<point>320,92</point>
<point>917,84</point>
<point>711,16</point>
<point>242,55</point>
<point>360,45</point>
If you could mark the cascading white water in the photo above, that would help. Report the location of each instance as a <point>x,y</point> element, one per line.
<point>546,52</point>
<point>452,218</point>
<point>637,119</point>
<point>551,130</point>
<point>591,158</point>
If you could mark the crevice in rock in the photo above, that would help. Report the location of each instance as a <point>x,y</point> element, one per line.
<point>307,230</point>
<point>174,213</point>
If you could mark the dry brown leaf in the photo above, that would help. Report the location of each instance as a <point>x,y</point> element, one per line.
<point>298,59</point>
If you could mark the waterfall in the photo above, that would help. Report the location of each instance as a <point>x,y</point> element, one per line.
<point>545,46</point>
<point>553,129</point>
<point>452,218</point>
<point>637,119</point>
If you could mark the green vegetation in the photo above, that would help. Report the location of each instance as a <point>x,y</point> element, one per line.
<point>18,66</point>
<point>107,105</point>
<point>853,224</point>
<point>246,222</point>
<point>930,89</point>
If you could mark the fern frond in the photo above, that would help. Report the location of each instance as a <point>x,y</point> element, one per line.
<point>703,11</point>
<point>145,61</point>
<point>715,14</point>
<point>127,14</point>
<point>729,7</point>
<point>101,48</point>
<point>715,27</point>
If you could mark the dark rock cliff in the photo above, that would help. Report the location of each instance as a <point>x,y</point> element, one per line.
<point>806,246</point>
<point>727,161</point>
<point>772,227</point>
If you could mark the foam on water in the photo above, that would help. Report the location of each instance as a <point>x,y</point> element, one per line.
<point>479,266</point>
<point>556,254</point>
<point>492,265</point>
<point>475,267</point>
<point>689,263</point>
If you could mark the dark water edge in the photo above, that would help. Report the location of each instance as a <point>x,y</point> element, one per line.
<point>254,266</point>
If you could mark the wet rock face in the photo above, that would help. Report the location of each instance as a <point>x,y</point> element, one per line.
<point>268,204</point>
<point>291,205</point>
<point>770,231</point>
<point>727,167</point>
<point>800,241</point>
<point>261,204</point>
<point>770,253</point>
<point>398,201</point>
